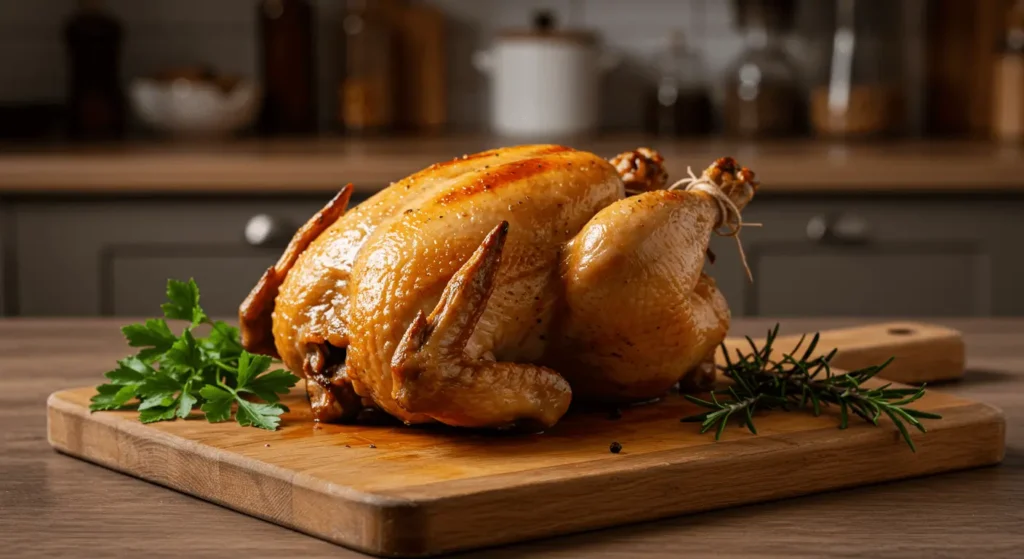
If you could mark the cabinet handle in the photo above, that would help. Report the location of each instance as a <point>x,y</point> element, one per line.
<point>266,231</point>
<point>817,228</point>
<point>845,228</point>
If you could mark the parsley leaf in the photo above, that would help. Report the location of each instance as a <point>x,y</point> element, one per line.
<point>159,383</point>
<point>184,354</point>
<point>185,403</point>
<point>249,366</point>
<point>269,385</point>
<point>264,416</point>
<point>218,403</point>
<point>125,375</point>
<point>222,343</point>
<point>154,335</point>
<point>156,414</point>
<point>183,302</point>
<point>112,396</point>
<point>159,400</point>
<point>172,375</point>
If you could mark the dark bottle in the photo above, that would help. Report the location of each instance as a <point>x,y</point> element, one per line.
<point>288,67</point>
<point>96,101</point>
<point>679,104</point>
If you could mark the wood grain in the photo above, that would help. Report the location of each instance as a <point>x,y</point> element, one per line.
<point>398,491</point>
<point>55,506</point>
<point>323,166</point>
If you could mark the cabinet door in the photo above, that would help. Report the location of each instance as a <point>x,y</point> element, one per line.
<point>882,257</point>
<point>89,257</point>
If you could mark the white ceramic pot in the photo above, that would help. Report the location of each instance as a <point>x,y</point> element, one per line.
<point>545,83</point>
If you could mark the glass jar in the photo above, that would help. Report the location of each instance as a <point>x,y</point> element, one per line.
<point>1008,79</point>
<point>762,91</point>
<point>679,104</point>
<point>366,96</point>
<point>858,93</point>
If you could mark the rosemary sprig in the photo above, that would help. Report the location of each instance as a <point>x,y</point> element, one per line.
<point>798,381</point>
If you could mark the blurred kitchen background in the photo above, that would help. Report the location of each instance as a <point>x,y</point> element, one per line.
<point>147,139</point>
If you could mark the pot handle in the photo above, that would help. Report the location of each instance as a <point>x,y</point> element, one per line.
<point>483,61</point>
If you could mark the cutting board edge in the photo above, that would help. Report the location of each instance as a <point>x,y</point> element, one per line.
<point>962,414</point>
<point>408,526</point>
<point>976,423</point>
<point>64,416</point>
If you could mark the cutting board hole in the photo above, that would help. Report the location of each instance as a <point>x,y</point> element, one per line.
<point>900,331</point>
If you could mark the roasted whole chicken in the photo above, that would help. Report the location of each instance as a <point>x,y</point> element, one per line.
<point>491,290</point>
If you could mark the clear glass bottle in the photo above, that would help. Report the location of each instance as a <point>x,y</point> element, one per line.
<point>858,94</point>
<point>762,91</point>
<point>366,96</point>
<point>679,103</point>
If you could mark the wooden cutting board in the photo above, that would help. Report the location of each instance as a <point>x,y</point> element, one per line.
<point>401,491</point>
<point>925,352</point>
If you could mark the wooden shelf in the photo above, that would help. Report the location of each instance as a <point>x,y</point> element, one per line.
<point>324,165</point>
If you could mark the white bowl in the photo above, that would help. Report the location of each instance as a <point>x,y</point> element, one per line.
<point>195,108</point>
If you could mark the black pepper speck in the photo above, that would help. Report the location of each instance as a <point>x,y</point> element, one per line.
<point>373,446</point>
<point>615,448</point>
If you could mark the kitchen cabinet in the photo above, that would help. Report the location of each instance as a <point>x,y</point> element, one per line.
<point>815,255</point>
<point>893,256</point>
<point>78,257</point>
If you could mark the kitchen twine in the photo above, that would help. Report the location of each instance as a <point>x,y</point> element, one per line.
<point>728,214</point>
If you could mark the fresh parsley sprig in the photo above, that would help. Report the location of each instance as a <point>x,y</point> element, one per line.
<point>762,383</point>
<point>171,375</point>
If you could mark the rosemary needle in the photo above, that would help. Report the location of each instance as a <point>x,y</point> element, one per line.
<point>798,381</point>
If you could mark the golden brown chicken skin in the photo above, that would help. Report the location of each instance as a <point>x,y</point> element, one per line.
<point>492,289</point>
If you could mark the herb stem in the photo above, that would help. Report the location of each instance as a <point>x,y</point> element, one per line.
<point>761,383</point>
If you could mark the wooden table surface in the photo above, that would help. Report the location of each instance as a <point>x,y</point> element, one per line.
<point>56,506</point>
<point>324,165</point>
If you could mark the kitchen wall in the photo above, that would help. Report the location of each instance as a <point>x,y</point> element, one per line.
<point>222,33</point>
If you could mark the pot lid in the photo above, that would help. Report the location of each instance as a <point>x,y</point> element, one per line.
<point>544,28</point>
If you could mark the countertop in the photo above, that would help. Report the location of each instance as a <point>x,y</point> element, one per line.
<point>324,165</point>
<point>57,506</point>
